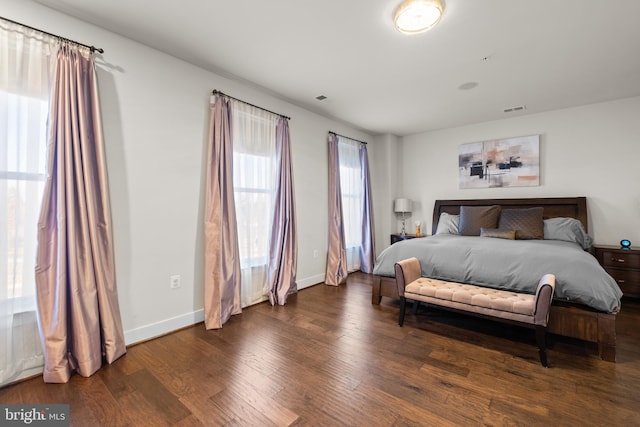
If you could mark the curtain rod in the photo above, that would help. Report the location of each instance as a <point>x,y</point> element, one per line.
<point>356,140</point>
<point>217,92</point>
<point>92,48</point>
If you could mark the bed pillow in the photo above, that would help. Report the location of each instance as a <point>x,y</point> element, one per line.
<point>473,218</point>
<point>498,233</point>
<point>448,224</point>
<point>568,230</point>
<point>528,222</point>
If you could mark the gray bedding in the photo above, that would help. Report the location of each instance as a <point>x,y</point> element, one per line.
<point>514,265</point>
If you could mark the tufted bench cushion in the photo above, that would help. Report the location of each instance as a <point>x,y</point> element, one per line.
<point>529,309</point>
<point>475,296</point>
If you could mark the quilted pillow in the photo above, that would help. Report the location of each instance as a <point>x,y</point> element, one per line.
<point>498,233</point>
<point>527,223</point>
<point>473,218</point>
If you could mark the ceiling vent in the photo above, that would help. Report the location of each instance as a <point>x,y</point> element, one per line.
<point>513,109</point>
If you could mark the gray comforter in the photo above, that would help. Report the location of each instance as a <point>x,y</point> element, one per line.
<point>514,265</point>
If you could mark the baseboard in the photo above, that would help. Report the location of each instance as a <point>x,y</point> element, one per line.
<point>310,281</point>
<point>164,327</point>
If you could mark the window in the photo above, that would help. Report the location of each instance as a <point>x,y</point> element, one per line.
<point>253,192</point>
<point>254,137</point>
<point>24,107</point>
<point>22,175</point>
<point>351,188</point>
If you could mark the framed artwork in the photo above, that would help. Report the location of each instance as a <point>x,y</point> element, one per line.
<point>507,162</point>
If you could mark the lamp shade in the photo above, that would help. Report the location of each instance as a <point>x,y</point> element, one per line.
<point>402,205</point>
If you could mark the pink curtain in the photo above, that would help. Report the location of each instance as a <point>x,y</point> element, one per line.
<point>367,250</point>
<point>222,258</point>
<point>75,273</point>
<point>283,245</point>
<point>337,253</point>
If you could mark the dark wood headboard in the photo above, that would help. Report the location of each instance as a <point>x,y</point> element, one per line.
<point>571,207</point>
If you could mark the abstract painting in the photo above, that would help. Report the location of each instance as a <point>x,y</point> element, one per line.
<point>507,162</point>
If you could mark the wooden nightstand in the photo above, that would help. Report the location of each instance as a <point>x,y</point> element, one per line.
<point>397,237</point>
<point>623,265</point>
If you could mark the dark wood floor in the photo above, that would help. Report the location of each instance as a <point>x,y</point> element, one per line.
<point>329,357</point>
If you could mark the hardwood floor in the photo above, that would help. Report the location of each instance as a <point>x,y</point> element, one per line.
<point>330,358</point>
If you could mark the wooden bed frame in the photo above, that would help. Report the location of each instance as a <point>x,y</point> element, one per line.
<point>566,319</point>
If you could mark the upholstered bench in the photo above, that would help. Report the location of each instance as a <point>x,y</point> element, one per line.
<point>525,309</point>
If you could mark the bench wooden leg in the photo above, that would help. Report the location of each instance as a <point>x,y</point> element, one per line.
<point>416,303</point>
<point>403,304</point>
<point>541,339</point>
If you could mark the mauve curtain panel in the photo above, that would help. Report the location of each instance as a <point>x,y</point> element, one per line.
<point>367,250</point>
<point>337,252</point>
<point>222,257</point>
<point>283,245</point>
<point>75,270</point>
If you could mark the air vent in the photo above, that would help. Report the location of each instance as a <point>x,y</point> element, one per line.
<point>321,97</point>
<point>513,109</point>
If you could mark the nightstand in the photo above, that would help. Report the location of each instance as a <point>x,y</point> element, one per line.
<point>623,265</point>
<point>397,237</point>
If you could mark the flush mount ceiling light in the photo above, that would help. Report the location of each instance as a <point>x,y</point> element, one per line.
<point>416,16</point>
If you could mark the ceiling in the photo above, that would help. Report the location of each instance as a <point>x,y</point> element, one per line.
<point>544,54</point>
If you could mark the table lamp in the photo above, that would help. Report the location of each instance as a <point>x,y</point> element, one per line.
<point>402,206</point>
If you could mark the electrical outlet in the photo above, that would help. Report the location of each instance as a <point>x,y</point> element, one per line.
<point>174,281</point>
<point>315,253</point>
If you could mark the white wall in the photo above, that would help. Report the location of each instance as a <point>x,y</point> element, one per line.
<point>155,113</point>
<point>591,151</point>
<point>385,183</point>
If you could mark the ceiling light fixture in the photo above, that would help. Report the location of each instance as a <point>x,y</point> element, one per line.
<point>417,16</point>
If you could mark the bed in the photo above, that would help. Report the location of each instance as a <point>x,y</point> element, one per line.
<point>586,300</point>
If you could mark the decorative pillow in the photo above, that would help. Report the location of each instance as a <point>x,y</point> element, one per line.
<point>448,224</point>
<point>498,233</point>
<point>473,218</point>
<point>568,230</point>
<point>528,223</point>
